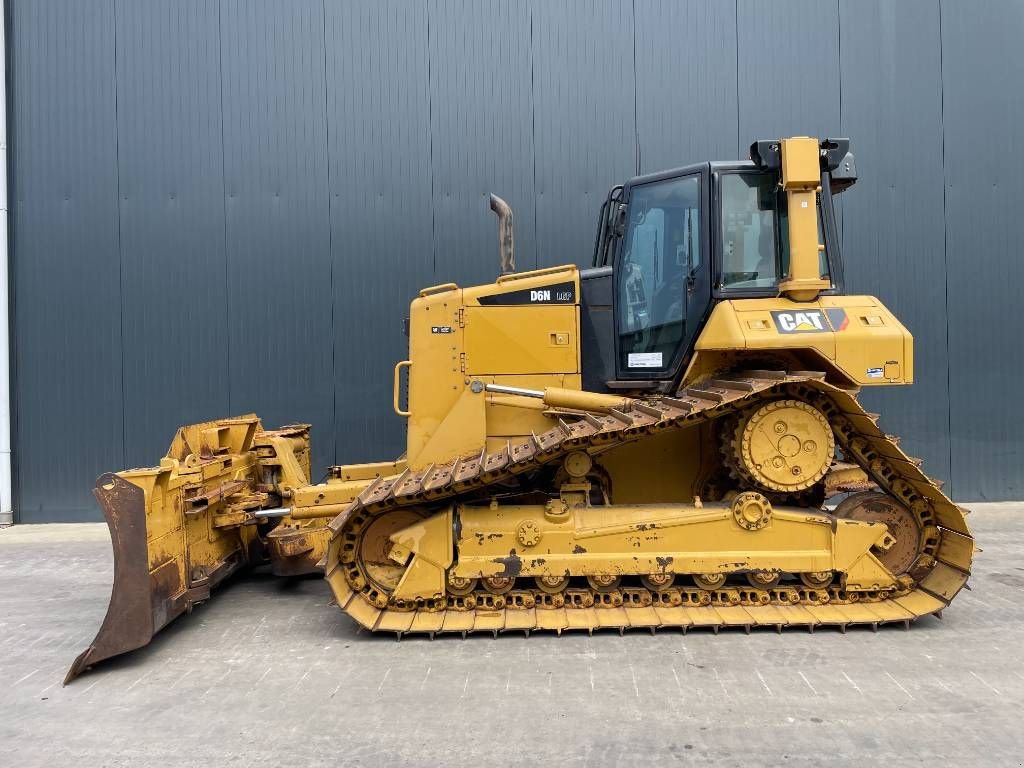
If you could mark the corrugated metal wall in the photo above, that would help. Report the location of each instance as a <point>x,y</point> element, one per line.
<point>225,205</point>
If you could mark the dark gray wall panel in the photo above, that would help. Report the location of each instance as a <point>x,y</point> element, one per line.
<point>481,128</point>
<point>585,131</point>
<point>172,220</point>
<point>251,192</point>
<point>381,222</point>
<point>278,226</point>
<point>789,82</point>
<point>983,68</point>
<point>685,82</point>
<point>66,269</point>
<point>788,70</point>
<point>895,245</point>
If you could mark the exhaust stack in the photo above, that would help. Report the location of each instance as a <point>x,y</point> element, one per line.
<point>506,250</point>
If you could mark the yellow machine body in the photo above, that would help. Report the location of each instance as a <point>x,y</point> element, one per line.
<point>524,502</point>
<point>455,339</point>
<point>855,338</point>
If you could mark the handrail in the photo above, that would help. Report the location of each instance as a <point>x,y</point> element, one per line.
<point>398,387</point>
<point>439,289</point>
<point>535,273</point>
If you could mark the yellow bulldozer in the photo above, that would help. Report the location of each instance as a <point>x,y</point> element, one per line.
<point>658,441</point>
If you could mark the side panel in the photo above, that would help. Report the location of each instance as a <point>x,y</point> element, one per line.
<point>435,378</point>
<point>522,330</point>
<point>597,330</point>
<point>523,339</point>
<point>862,339</point>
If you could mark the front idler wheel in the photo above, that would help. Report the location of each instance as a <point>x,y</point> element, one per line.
<point>875,507</point>
<point>374,548</point>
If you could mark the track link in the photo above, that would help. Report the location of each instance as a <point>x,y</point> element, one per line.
<point>940,573</point>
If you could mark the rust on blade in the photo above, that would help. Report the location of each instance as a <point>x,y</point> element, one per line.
<point>158,575</point>
<point>129,621</point>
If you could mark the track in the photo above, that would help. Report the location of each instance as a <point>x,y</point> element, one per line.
<point>940,573</point>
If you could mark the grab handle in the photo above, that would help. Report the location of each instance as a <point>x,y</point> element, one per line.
<point>439,289</point>
<point>398,387</point>
<point>534,273</point>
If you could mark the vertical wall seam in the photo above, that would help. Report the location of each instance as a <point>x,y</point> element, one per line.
<point>636,119</point>
<point>330,247</point>
<point>839,56</point>
<point>533,142</point>
<point>736,39</point>
<point>10,78</point>
<point>430,144</point>
<point>839,67</point>
<point>224,203</point>
<point>945,255</point>
<point>120,244</point>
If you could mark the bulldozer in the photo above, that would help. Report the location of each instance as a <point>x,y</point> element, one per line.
<point>670,438</point>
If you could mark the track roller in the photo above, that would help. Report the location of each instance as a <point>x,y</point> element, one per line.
<point>552,584</point>
<point>499,585</point>
<point>461,586</point>
<point>604,583</point>
<point>709,580</point>
<point>656,582</point>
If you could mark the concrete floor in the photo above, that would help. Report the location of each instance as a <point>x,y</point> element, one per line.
<point>268,674</point>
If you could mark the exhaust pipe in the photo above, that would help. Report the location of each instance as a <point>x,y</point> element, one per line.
<point>505,246</point>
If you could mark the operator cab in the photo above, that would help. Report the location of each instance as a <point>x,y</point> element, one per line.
<point>672,244</point>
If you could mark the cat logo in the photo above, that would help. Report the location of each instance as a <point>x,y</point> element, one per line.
<point>808,321</point>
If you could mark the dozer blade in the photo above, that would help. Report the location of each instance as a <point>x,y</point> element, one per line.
<point>178,530</point>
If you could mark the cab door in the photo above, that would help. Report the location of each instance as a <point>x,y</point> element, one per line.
<point>662,279</point>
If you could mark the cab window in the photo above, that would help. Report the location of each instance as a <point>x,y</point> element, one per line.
<point>660,256</point>
<point>754,231</point>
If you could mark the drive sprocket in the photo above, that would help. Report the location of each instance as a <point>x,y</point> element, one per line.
<point>784,445</point>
